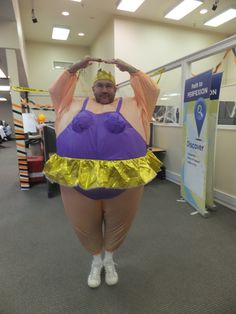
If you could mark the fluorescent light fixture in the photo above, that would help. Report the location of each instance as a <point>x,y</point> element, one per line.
<point>77,0</point>
<point>203,11</point>
<point>3,99</point>
<point>163,98</point>
<point>81,34</point>
<point>4,88</point>
<point>184,8</point>
<point>60,33</point>
<point>129,5</point>
<point>222,18</point>
<point>65,13</point>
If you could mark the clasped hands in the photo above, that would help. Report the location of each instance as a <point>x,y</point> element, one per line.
<point>120,64</point>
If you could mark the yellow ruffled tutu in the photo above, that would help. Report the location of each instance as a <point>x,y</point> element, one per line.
<point>91,173</point>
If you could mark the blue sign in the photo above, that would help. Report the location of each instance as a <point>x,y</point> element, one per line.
<point>215,85</point>
<point>198,86</point>
<point>200,114</point>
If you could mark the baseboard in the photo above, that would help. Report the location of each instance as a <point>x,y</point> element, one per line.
<point>219,196</point>
<point>173,177</point>
<point>225,199</point>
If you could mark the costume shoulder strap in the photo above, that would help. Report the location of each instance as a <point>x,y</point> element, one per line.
<point>119,104</point>
<point>85,104</point>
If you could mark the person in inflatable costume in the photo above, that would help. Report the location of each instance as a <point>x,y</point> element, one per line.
<point>102,162</point>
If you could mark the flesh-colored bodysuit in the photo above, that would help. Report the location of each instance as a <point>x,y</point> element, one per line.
<point>103,223</point>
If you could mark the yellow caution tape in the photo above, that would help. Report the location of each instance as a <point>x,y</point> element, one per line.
<point>158,72</point>
<point>27,89</point>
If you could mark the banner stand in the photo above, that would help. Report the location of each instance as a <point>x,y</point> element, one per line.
<point>199,124</point>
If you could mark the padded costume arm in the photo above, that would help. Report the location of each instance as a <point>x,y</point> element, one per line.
<point>62,91</point>
<point>146,93</point>
<point>145,90</point>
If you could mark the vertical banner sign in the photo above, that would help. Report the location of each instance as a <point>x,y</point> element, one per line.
<point>195,150</point>
<point>212,122</point>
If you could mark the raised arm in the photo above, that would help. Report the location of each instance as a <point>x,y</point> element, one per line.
<point>145,89</point>
<point>146,92</point>
<point>63,89</point>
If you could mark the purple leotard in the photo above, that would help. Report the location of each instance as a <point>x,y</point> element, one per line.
<point>105,136</point>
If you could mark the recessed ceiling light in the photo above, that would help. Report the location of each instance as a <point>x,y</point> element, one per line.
<point>3,99</point>
<point>182,9</point>
<point>2,75</point>
<point>203,11</point>
<point>222,18</point>
<point>81,34</point>
<point>4,88</point>
<point>65,13</point>
<point>60,33</point>
<point>129,5</point>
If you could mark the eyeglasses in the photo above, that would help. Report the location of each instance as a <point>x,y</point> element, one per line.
<point>104,85</point>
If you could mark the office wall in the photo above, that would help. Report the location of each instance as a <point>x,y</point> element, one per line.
<point>225,169</point>
<point>103,47</point>
<point>12,37</point>
<point>24,70</point>
<point>40,58</point>
<point>150,45</point>
<point>8,35</point>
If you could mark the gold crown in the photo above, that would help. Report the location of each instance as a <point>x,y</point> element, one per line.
<point>103,75</point>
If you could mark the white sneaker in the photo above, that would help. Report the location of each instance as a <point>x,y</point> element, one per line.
<point>94,278</point>
<point>111,276</point>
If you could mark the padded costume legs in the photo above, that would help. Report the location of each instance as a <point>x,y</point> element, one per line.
<point>101,224</point>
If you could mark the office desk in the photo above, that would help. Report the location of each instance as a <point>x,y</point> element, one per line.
<point>157,149</point>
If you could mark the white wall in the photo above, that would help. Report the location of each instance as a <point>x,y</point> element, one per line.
<point>225,167</point>
<point>8,35</point>
<point>40,58</point>
<point>10,41</point>
<point>103,47</point>
<point>21,38</point>
<point>150,45</point>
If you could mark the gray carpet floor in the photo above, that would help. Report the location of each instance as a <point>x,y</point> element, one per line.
<point>171,263</point>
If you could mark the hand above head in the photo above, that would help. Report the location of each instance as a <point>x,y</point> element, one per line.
<point>122,65</point>
<point>84,63</point>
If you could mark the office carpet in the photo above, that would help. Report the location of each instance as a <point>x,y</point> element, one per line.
<point>171,263</point>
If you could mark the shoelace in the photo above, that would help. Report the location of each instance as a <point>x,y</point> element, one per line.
<point>110,268</point>
<point>96,270</point>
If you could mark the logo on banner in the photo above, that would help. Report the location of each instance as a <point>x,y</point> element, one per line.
<point>200,114</point>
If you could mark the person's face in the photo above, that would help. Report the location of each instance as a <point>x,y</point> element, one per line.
<point>104,91</point>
